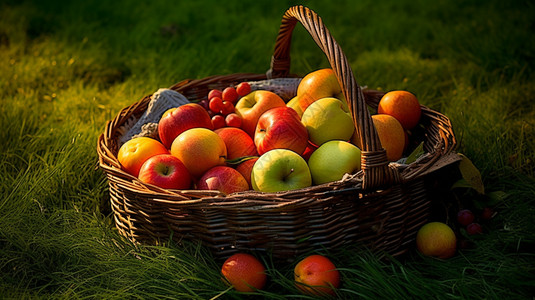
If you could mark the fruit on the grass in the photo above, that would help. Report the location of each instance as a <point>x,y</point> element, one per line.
<point>465,217</point>
<point>238,143</point>
<point>328,119</point>
<point>218,121</point>
<point>487,213</point>
<point>280,170</point>
<point>165,171</point>
<point>245,168</point>
<point>244,272</point>
<point>474,228</point>
<point>332,160</point>
<point>224,179</point>
<point>319,84</point>
<point>230,94</point>
<point>253,105</point>
<point>294,103</point>
<point>136,151</point>
<point>316,275</point>
<point>436,239</point>
<point>199,149</point>
<point>233,120</point>
<point>281,128</point>
<point>403,106</point>
<point>391,135</point>
<point>177,120</point>
<point>243,88</point>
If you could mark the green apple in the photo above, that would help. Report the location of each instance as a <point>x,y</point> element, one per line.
<point>280,170</point>
<point>327,119</point>
<point>332,160</point>
<point>294,103</point>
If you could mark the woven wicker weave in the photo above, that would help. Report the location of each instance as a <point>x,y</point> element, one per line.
<point>381,207</point>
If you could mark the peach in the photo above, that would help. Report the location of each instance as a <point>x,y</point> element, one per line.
<point>245,168</point>
<point>403,106</point>
<point>136,151</point>
<point>199,149</point>
<point>237,141</point>
<point>224,179</point>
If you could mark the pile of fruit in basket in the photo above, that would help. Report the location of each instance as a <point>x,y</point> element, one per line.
<point>238,140</point>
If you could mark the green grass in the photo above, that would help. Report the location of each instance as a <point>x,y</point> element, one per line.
<point>68,67</point>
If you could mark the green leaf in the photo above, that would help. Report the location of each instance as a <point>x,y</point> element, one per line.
<point>419,151</point>
<point>471,174</point>
<point>461,183</point>
<point>239,160</point>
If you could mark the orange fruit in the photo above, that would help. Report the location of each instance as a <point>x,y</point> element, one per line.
<point>436,239</point>
<point>136,151</point>
<point>244,272</point>
<point>391,135</point>
<point>403,106</point>
<point>316,275</point>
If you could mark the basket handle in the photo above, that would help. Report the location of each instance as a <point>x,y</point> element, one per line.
<point>375,165</point>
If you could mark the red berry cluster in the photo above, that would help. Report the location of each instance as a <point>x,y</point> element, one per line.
<point>221,105</point>
<point>466,218</point>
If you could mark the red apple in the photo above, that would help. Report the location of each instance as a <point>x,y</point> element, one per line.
<point>245,168</point>
<point>238,143</point>
<point>177,120</point>
<point>253,105</point>
<point>165,171</point>
<point>224,179</point>
<point>136,151</point>
<point>280,128</point>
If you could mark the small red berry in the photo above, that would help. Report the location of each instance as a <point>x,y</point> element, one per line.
<point>243,89</point>
<point>487,213</point>
<point>230,94</point>
<point>233,120</point>
<point>474,228</point>
<point>465,217</point>
<point>218,121</point>
<point>216,104</point>
<point>228,108</point>
<point>214,93</point>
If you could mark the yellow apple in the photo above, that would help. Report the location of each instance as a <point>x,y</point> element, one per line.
<point>319,84</point>
<point>294,103</point>
<point>332,160</point>
<point>328,119</point>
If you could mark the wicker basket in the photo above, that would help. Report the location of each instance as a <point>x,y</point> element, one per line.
<point>381,207</point>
